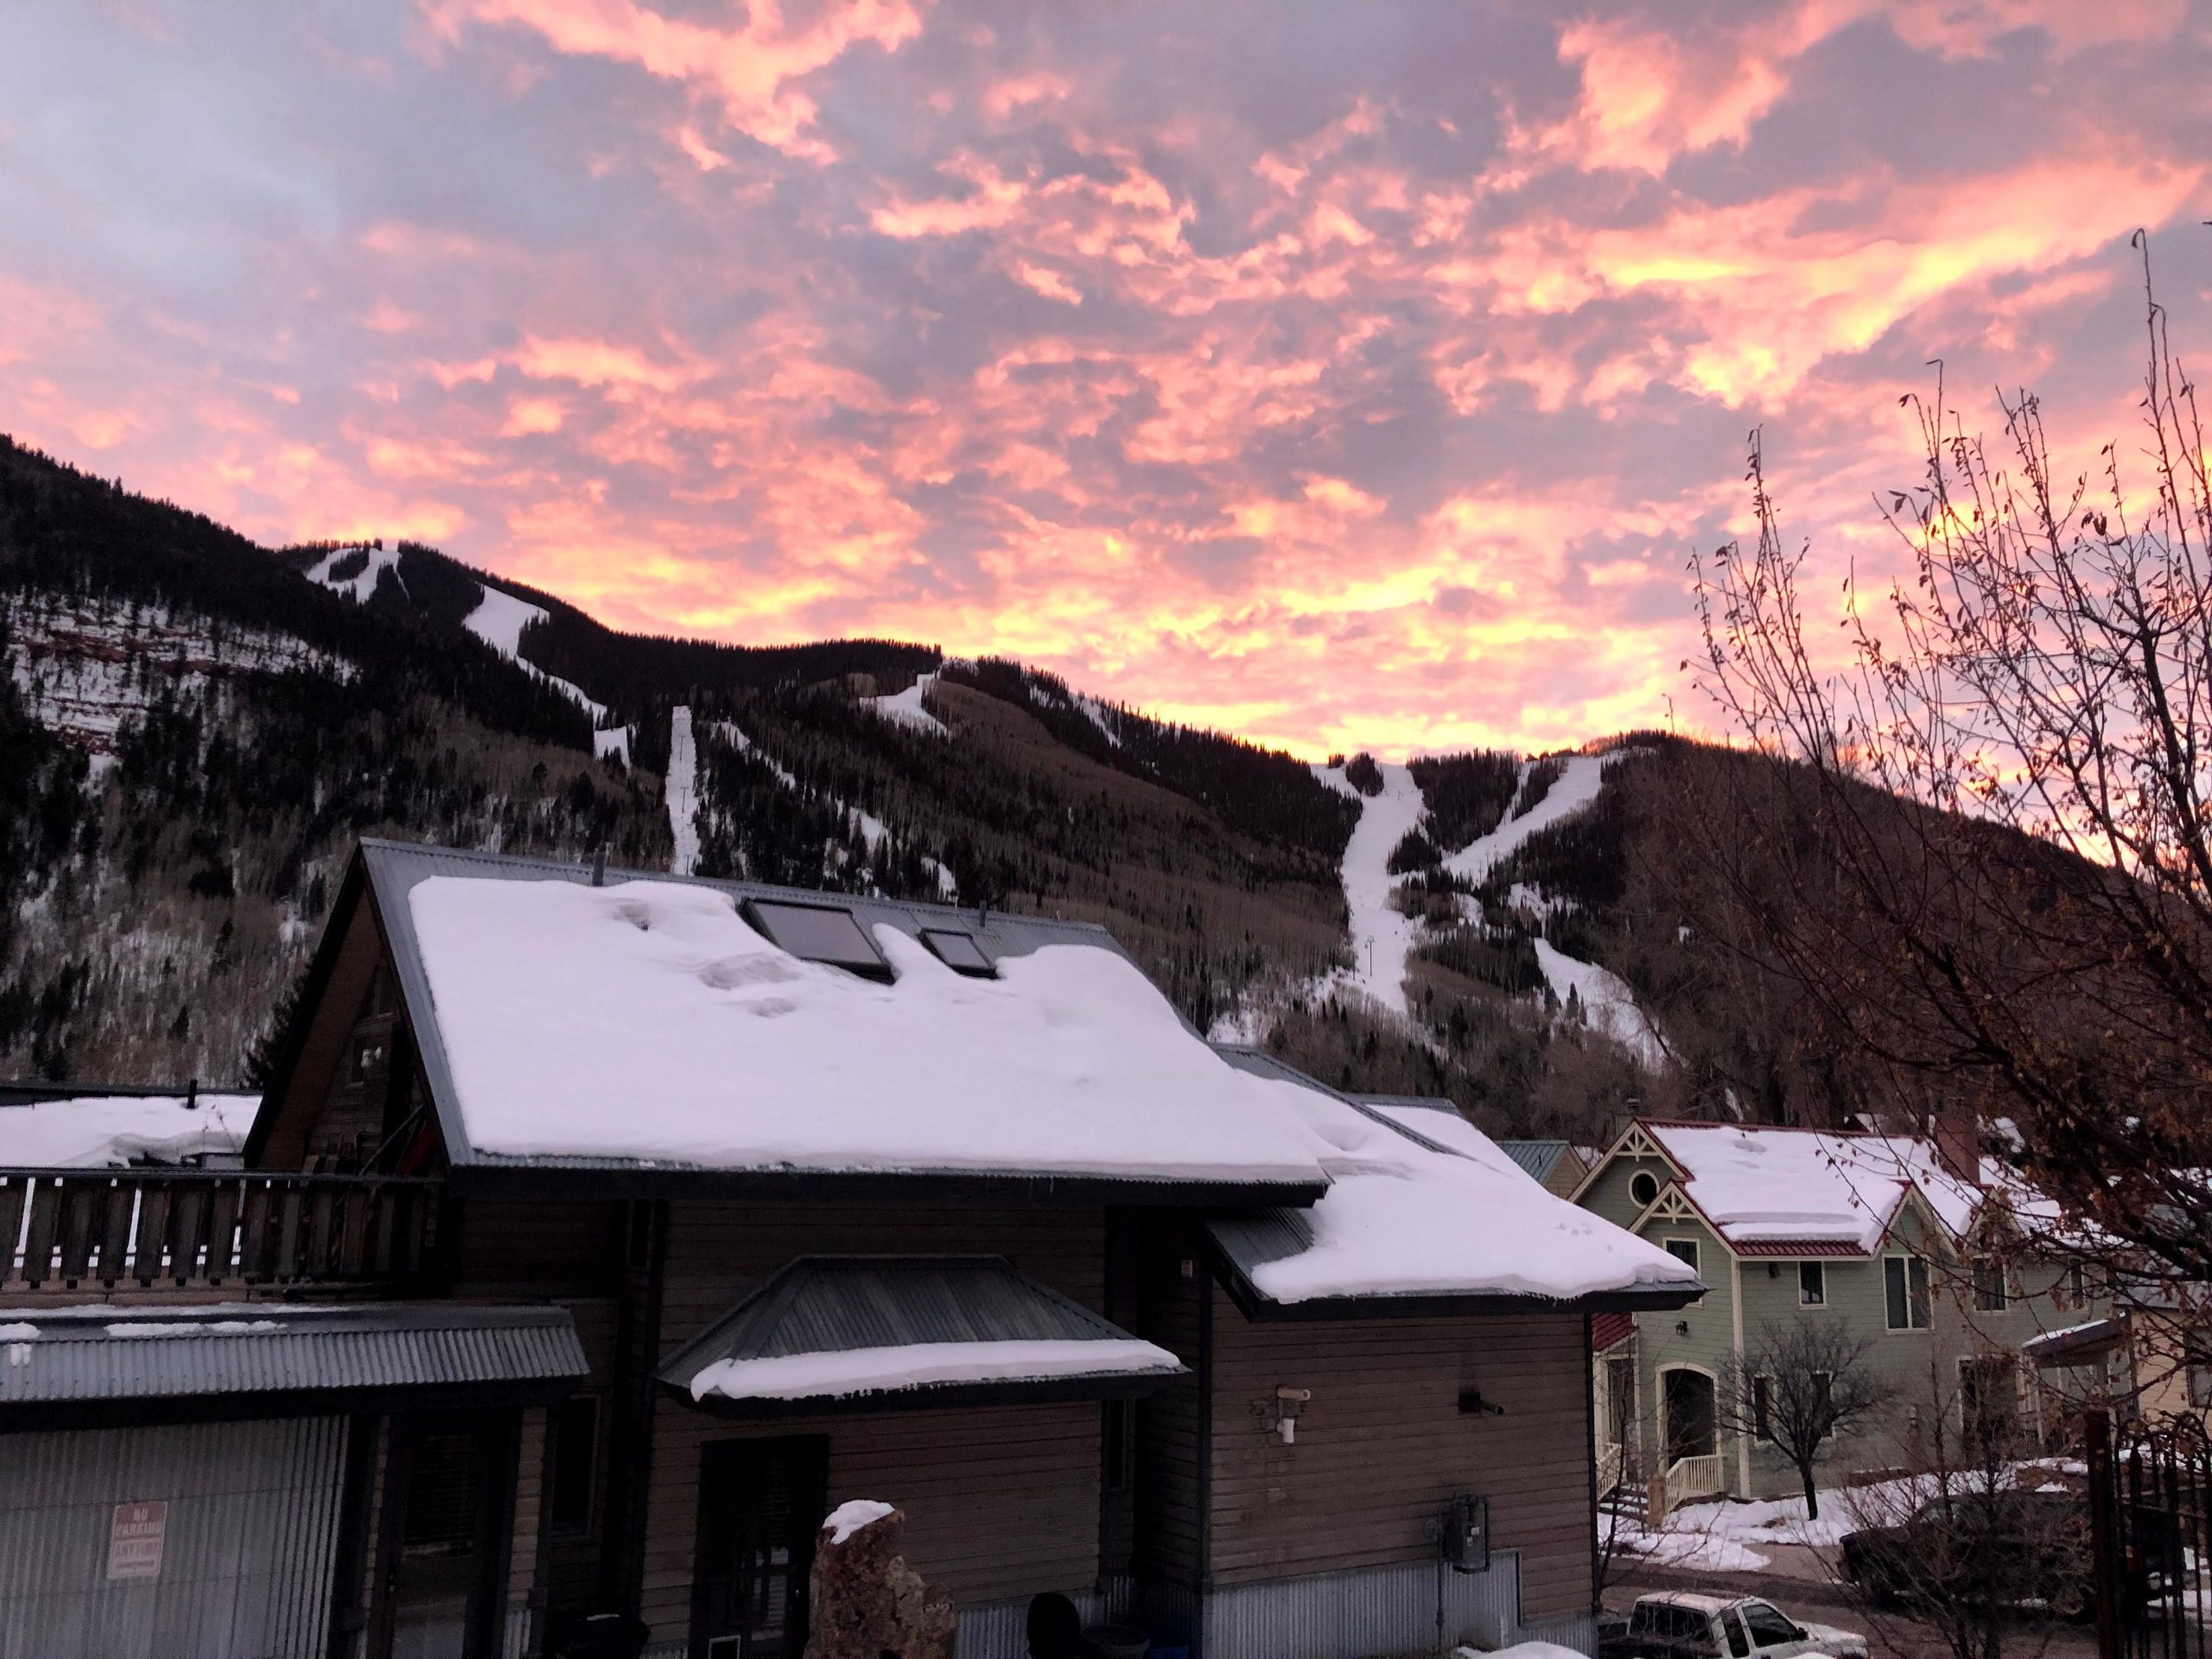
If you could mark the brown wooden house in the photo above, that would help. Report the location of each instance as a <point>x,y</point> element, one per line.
<point>594,1242</point>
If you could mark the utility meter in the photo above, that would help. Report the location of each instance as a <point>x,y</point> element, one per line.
<point>1467,1533</point>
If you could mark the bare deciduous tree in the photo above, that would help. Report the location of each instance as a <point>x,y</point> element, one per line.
<point>1964,1540</point>
<point>2030,931</point>
<point>1800,1387</point>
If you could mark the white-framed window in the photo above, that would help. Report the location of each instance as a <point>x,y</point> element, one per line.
<point>1762,1407</point>
<point>1990,1295</point>
<point>1685,1249</point>
<point>1905,1293</point>
<point>1643,1188</point>
<point>1812,1284</point>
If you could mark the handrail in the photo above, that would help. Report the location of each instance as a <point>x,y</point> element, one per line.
<point>144,1227</point>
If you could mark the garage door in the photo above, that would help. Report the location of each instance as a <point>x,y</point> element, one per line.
<point>198,1541</point>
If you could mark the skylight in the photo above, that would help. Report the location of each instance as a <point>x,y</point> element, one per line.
<point>958,951</point>
<point>824,933</point>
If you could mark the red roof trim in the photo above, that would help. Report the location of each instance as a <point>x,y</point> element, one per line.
<point>1800,1247</point>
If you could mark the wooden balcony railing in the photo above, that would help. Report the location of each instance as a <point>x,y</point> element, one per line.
<point>121,1229</point>
<point>1694,1477</point>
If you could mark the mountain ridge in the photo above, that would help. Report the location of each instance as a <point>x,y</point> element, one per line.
<point>199,728</point>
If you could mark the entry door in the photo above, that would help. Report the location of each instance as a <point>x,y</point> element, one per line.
<point>445,1536</point>
<point>761,1503</point>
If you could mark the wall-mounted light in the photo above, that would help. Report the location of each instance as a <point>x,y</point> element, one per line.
<point>1472,1404</point>
<point>1681,1327</point>
<point>1289,1404</point>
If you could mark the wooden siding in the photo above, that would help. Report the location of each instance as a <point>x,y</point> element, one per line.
<point>528,1509</point>
<point>536,1249</point>
<point>296,1134</point>
<point>1171,1439</point>
<point>1000,1502</point>
<point>1382,1444</point>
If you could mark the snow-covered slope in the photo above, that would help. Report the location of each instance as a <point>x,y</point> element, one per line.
<point>363,582</point>
<point>1382,939</point>
<point>1576,788</point>
<point>906,708</point>
<point>682,791</point>
<point>498,620</point>
<point>1606,1001</point>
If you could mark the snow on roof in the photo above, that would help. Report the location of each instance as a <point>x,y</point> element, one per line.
<point>924,1365</point>
<point>1763,1184</point>
<point>647,1021</point>
<point>1457,1217</point>
<point>102,1130</point>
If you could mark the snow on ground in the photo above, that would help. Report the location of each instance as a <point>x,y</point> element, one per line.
<point>1725,1536</point>
<point>681,791</point>
<point>85,666</point>
<point>1401,1219</point>
<point>1606,1000</point>
<point>906,708</point>
<point>554,999</point>
<point>925,1365</point>
<point>1095,712</point>
<point>101,1131</point>
<point>498,620</point>
<point>360,587</point>
<point>1382,939</point>
<point>611,741</point>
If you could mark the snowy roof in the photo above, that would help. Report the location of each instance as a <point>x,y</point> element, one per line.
<point>1417,1219</point>
<point>916,1330</point>
<point>645,1024</point>
<point>1761,1185</point>
<point>62,1127</point>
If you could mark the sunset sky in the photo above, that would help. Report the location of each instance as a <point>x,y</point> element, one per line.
<point>1350,374</point>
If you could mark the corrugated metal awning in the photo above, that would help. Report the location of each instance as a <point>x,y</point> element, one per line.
<point>83,1355</point>
<point>865,1333</point>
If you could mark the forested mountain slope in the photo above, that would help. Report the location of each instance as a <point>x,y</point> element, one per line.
<point>194,730</point>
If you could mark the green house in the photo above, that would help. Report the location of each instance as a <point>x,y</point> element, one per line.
<point>1948,1274</point>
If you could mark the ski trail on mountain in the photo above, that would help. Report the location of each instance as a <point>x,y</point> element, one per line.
<point>682,793</point>
<point>1382,939</point>
<point>1573,790</point>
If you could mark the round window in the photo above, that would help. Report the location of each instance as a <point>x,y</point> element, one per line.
<point>1644,1186</point>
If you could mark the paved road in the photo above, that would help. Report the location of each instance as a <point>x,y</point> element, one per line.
<point>1799,1585</point>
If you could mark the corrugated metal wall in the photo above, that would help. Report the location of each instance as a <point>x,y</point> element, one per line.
<point>247,1548</point>
<point>1364,1612</point>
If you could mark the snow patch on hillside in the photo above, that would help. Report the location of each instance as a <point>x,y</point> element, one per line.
<point>498,620</point>
<point>85,666</point>
<point>1607,1002</point>
<point>1576,788</point>
<point>360,586</point>
<point>681,791</point>
<point>906,708</point>
<point>872,829</point>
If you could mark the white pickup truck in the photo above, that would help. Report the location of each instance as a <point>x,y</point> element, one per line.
<point>1683,1624</point>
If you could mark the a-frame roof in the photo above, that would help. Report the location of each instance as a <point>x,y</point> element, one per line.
<point>1213,1142</point>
